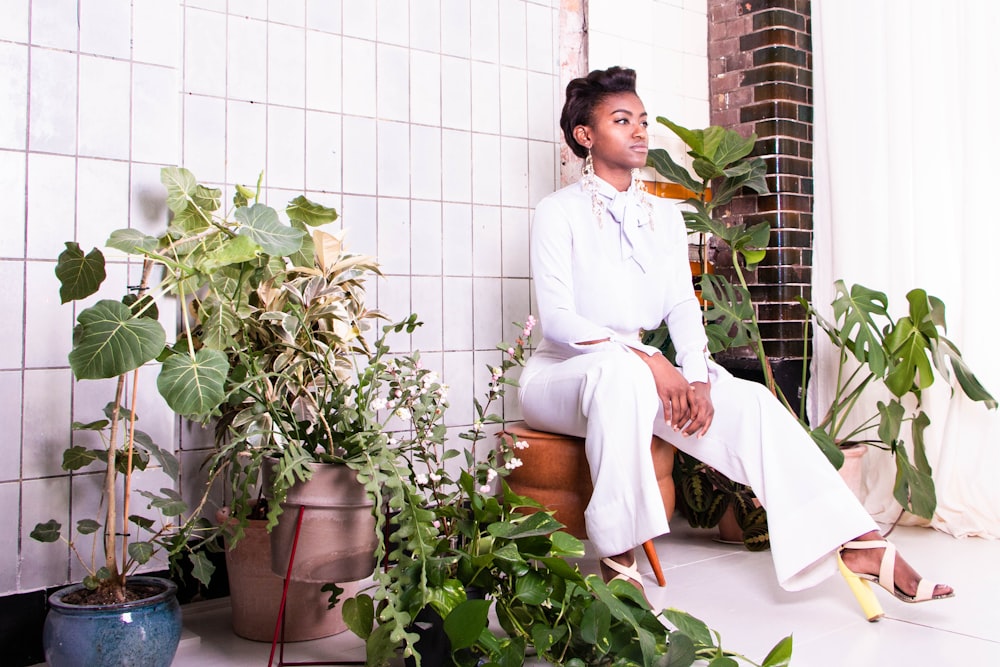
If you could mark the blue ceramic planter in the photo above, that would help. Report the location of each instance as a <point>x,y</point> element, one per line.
<point>144,633</point>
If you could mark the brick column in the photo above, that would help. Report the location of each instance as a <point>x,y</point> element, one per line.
<point>760,80</point>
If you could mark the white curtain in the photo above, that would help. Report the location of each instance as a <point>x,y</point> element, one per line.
<point>906,144</point>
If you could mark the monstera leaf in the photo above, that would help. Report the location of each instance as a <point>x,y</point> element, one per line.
<point>855,311</point>
<point>914,487</point>
<point>110,340</point>
<point>728,314</point>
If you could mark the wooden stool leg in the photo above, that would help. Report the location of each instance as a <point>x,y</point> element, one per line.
<point>654,560</point>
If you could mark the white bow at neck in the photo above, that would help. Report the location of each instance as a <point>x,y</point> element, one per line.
<point>630,210</point>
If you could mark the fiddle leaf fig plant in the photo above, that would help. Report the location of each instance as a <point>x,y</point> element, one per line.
<point>723,167</point>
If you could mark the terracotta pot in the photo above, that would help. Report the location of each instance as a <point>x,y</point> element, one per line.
<point>255,594</point>
<point>337,539</point>
<point>729,529</point>
<point>853,469</point>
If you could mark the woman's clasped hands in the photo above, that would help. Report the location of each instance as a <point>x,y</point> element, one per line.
<point>687,406</point>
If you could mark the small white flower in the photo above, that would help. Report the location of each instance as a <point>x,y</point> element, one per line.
<point>477,426</point>
<point>403,414</point>
<point>521,444</point>
<point>398,393</point>
<point>485,488</point>
<point>378,403</point>
<point>435,477</point>
<point>491,475</point>
<point>421,479</point>
<point>513,463</point>
<point>430,378</point>
<point>392,441</point>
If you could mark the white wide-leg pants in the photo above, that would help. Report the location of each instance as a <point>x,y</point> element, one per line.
<point>609,398</point>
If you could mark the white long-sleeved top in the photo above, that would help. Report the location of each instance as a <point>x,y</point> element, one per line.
<point>593,283</point>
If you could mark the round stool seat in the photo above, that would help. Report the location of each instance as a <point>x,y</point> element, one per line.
<point>556,473</point>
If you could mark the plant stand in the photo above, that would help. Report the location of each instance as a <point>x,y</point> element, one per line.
<point>278,643</point>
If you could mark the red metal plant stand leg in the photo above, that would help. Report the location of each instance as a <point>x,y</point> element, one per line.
<point>279,626</point>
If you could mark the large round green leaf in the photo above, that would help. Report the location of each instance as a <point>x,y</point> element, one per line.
<point>194,386</point>
<point>133,241</point>
<point>261,224</point>
<point>109,340</point>
<point>79,275</point>
<point>180,184</point>
<point>309,212</point>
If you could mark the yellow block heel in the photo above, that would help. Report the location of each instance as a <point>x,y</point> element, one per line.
<point>862,591</point>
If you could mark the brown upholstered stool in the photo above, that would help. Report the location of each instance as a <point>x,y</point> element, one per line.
<point>556,474</point>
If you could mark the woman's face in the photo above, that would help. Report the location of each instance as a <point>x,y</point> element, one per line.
<point>616,135</point>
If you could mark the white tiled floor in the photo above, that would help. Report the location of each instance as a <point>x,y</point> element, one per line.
<point>735,593</point>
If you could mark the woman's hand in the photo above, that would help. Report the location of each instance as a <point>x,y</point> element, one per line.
<point>687,407</point>
<point>701,409</point>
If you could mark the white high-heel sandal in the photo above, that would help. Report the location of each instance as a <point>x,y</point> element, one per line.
<point>858,581</point>
<point>625,572</point>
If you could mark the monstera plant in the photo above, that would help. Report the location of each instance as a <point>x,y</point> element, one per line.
<point>900,357</point>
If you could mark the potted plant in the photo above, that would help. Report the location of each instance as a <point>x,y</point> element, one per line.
<point>898,356</point>
<point>215,264</point>
<point>901,356</point>
<point>710,499</point>
<point>460,544</point>
<point>116,616</point>
<point>293,418</point>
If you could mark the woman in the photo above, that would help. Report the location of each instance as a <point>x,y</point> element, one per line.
<point>608,261</point>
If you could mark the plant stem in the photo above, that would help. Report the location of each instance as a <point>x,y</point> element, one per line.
<point>758,344</point>
<point>110,474</point>
<point>130,443</point>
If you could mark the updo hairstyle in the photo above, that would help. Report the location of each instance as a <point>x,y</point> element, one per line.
<point>583,94</point>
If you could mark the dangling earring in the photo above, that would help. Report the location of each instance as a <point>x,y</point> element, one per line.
<point>637,181</point>
<point>643,194</point>
<point>589,182</point>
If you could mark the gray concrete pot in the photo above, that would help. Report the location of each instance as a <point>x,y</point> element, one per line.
<point>337,539</point>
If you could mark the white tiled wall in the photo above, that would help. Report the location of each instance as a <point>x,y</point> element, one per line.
<point>666,42</point>
<point>431,125</point>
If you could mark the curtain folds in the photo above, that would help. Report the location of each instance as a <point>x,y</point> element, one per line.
<point>905,143</point>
